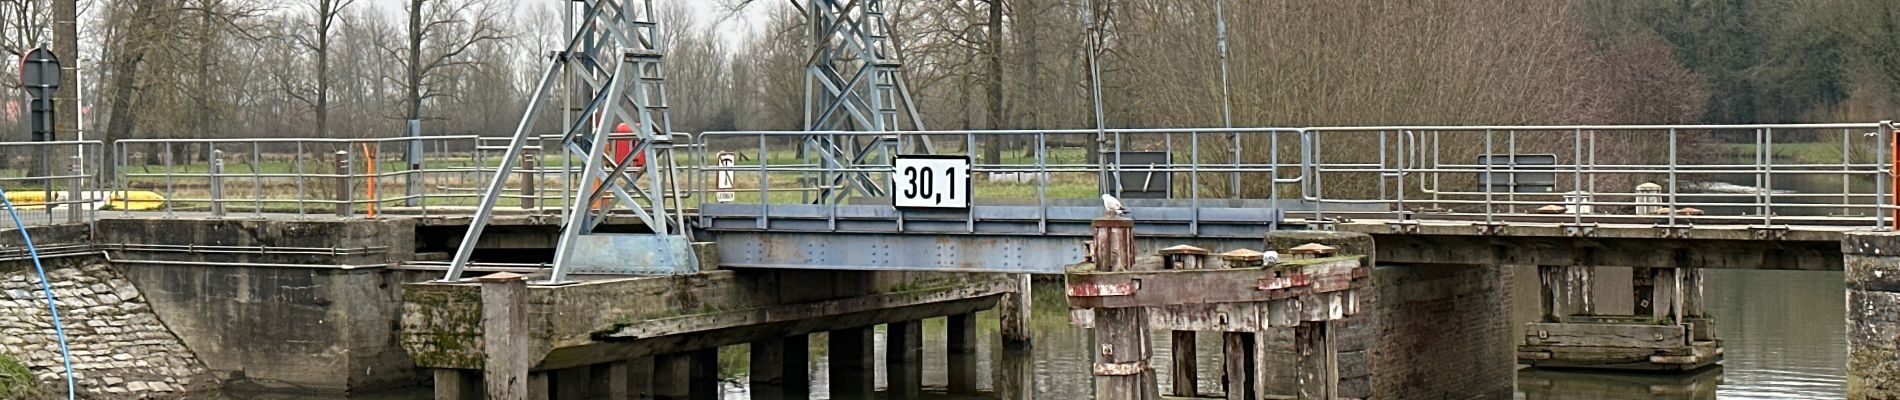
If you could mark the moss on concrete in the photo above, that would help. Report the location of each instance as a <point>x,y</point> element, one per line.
<point>16,382</point>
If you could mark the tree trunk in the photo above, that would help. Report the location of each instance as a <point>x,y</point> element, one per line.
<point>993,148</point>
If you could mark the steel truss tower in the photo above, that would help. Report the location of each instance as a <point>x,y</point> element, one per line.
<point>612,62</point>
<point>854,81</point>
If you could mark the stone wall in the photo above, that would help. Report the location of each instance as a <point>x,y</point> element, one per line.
<point>120,348</point>
<point>1872,262</point>
<point>1443,332</point>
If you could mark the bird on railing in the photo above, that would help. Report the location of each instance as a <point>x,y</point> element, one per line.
<point>1112,207</point>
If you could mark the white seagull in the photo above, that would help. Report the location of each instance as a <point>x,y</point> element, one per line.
<point>1112,207</point>
<point>1271,258</point>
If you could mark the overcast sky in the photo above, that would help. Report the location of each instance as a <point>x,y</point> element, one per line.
<point>733,28</point>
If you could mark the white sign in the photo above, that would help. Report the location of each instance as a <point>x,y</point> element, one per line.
<point>726,160</point>
<point>931,182</point>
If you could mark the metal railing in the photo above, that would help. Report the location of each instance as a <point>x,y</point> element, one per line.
<point>51,182</point>
<point>1758,175</point>
<point>428,175</point>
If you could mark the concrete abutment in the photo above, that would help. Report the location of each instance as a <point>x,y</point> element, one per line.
<point>1872,262</point>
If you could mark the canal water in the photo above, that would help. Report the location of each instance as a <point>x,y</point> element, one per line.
<point>1783,333</point>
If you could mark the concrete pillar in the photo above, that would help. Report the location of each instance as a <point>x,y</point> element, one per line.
<point>611,381</point>
<point>1872,265</point>
<point>506,358</point>
<point>781,368</point>
<point>1566,291</point>
<point>1185,376</point>
<point>1014,313</point>
<point>571,383</point>
<point>1239,366</point>
<point>640,377</point>
<point>904,359</point>
<point>853,361</point>
<point>960,351</point>
<point>1318,361</point>
<point>458,384</point>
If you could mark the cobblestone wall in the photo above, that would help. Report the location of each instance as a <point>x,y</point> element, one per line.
<point>120,349</point>
<point>1872,262</point>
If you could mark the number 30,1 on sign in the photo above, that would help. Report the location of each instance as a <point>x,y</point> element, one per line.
<point>921,181</point>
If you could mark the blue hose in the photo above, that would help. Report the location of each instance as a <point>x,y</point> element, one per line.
<point>46,285</point>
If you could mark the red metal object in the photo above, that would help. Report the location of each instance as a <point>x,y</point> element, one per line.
<point>1101,289</point>
<point>624,146</point>
<point>1894,153</point>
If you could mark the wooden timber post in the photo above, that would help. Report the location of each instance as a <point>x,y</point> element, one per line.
<point>1566,291</point>
<point>1122,350</point>
<point>1184,257</point>
<point>1241,363</point>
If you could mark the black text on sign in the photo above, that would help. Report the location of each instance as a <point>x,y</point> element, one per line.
<point>931,182</point>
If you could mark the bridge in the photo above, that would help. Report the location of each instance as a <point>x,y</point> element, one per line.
<point>552,265</point>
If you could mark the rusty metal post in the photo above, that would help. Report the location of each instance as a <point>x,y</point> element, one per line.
<point>1122,351</point>
<point>217,183</point>
<point>528,176</point>
<point>344,205</point>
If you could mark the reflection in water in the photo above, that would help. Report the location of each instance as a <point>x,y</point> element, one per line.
<point>1783,334</point>
<point>1534,384</point>
<point>1783,331</point>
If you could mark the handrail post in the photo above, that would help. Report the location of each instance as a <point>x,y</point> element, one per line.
<point>343,205</point>
<point>528,171</point>
<point>217,183</point>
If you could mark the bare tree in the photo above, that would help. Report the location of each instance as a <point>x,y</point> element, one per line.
<point>322,23</point>
<point>439,36</point>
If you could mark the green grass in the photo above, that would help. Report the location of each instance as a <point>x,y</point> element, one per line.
<point>1822,153</point>
<point>16,381</point>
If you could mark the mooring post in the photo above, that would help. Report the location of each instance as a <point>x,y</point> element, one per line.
<point>1014,313</point>
<point>344,204</point>
<point>506,357</point>
<point>1185,378</point>
<point>852,360</point>
<point>1121,334</point>
<point>960,346</point>
<point>904,359</point>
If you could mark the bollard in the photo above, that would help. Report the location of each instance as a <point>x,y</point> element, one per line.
<point>1649,199</point>
<point>74,212</point>
<point>1122,349</point>
<point>217,183</point>
<point>344,206</point>
<point>528,166</point>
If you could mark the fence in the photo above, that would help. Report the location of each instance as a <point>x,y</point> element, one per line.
<point>1807,174</point>
<point>51,182</point>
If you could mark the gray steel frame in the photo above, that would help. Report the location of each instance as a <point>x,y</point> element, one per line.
<point>853,81</point>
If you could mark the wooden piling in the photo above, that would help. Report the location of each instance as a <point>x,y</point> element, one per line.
<point>904,359</point>
<point>772,367</point>
<point>1318,363</point>
<point>571,383</point>
<point>851,361</point>
<point>960,346</point>
<point>703,377</point>
<point>672,376</point>
<point>1185,378</point>
<point>537,388</point>
<point>1014,313</point>
<point>1121,334</point>
<point>1566,291</point>
<point>1238,365</point>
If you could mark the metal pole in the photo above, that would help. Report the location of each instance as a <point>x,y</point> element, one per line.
<point>492,194</point>
<point>344,206</point>
<point>1095,89</point>
<point>528,165</point>
<point>217,183</point>
<point>414,158</point>
<point>1226,100</point>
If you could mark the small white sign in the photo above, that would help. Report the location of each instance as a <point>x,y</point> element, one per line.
<point>923,181</point>
<point>727,159</point>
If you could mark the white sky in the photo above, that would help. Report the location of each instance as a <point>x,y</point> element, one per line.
<point>733,28</point>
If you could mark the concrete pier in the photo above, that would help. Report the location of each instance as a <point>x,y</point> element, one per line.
<point>1873,315</point>
<point>1668,331</point>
